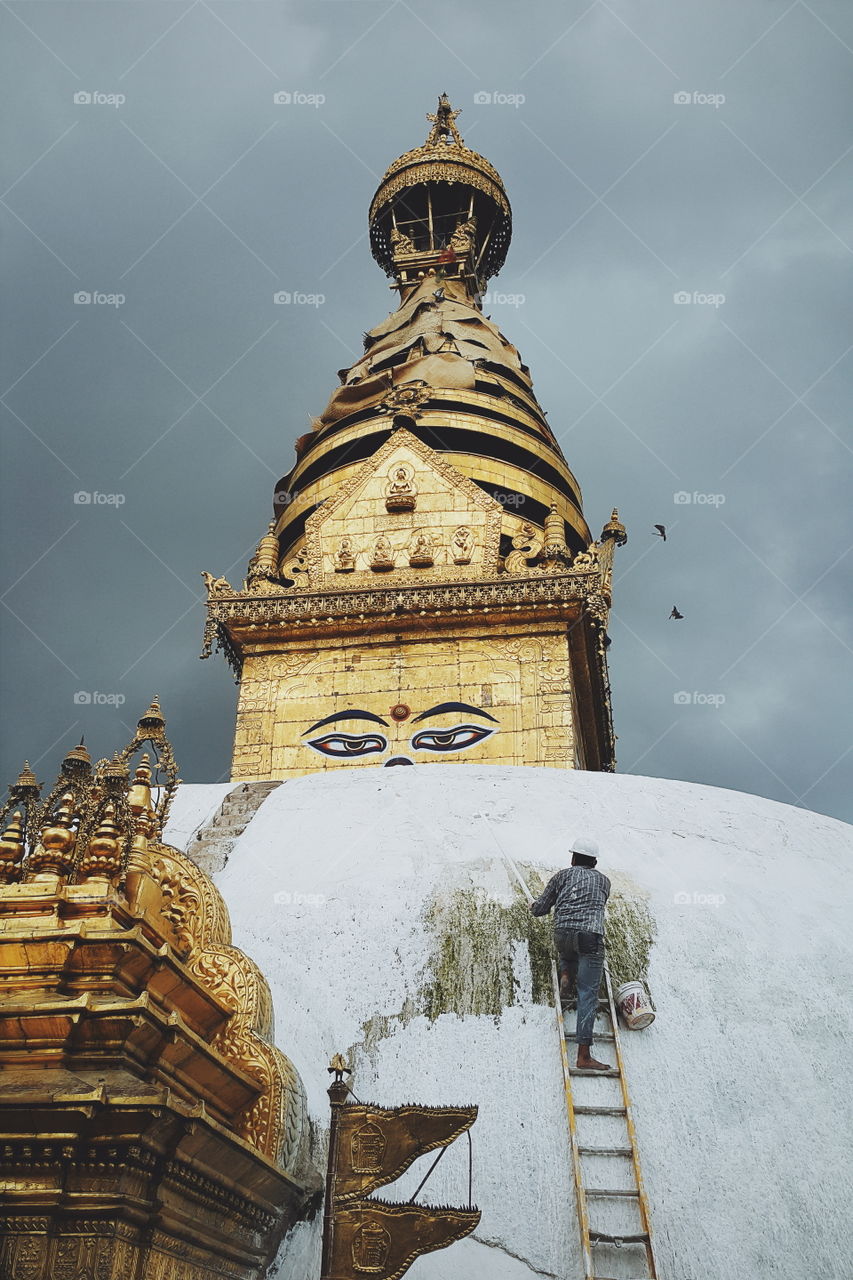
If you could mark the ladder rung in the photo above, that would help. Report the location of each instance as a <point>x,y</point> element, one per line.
<point>603,1237</point>
<point>602,1191</point>
<point>597,1035</point>
<point>600,1111</point>
<point>598,1277</point>
<point>610,1073</point>
<point>605,1151</point>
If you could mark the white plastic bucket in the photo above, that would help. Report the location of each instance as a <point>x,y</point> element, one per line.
<point>633,1003</point>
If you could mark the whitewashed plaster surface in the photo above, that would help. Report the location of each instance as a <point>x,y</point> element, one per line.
<point>192,808</point>
<point>741,1087</point>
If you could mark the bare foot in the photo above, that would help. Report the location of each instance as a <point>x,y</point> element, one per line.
<point>587,1063</point>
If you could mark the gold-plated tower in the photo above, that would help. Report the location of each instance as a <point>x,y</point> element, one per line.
<point>429,548</point>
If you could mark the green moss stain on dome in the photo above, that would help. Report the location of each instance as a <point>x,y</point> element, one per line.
<point>480,943</point>
<point>629,933</point>
<point>487,952</point>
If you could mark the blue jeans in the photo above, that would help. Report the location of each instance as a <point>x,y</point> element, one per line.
<point>582,958</point>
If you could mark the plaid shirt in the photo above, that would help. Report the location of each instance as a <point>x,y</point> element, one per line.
<point>580,894</point>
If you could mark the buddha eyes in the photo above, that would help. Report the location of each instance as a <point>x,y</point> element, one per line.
<point>347,744</point>
<point>456,739</point>
<point>352,745</point>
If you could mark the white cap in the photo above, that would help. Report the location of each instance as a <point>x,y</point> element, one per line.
<point>585,846</point>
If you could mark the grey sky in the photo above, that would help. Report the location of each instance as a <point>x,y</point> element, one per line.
<point>198,197</point>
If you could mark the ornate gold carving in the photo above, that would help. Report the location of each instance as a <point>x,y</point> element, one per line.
<point>526,548</point>
<point>462,545</point>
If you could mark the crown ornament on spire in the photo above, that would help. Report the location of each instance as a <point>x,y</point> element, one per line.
<point>444,124</point>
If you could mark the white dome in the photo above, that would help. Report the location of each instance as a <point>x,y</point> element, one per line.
<point>368,897</point>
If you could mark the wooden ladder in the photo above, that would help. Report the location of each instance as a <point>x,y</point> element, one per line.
<point>625,1236</point>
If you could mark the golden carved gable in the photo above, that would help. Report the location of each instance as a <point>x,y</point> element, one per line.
<point>406,516</point>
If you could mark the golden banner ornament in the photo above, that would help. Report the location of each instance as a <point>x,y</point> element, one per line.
<point>375,1146</point>
<point>373,1239</point>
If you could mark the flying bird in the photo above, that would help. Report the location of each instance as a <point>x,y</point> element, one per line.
<point>661,528</point>
<point>675,613</point>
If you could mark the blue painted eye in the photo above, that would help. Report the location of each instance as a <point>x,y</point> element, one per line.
<point>348,744</point>
<point>456,739</point>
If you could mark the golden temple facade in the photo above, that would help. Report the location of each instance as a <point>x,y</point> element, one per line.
<point>150,1128</point>
<point>429,589</point>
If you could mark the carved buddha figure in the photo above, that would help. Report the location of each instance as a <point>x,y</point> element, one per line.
<point>400,491</point>
<point>421,553</point>
<point>383,554</point>
<point>345,556</point>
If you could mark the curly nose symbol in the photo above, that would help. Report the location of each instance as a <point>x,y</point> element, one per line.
<point>398,760</point>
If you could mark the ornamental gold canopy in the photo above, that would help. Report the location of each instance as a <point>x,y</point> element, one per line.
<point>441,204</point>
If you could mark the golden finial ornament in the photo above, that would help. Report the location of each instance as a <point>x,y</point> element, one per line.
<point>152,728</point>
<point>263,566</point>
<point>153,722</point>
<point>26,780</point>
<point>103,855</point>
<point>54,853</point>
<point>614,529</point>
<point>444,124</point>
<point>554,547</point>
<point>78,762</point>
<point>12,849</point>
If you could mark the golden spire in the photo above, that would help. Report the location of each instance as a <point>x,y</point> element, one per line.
<point>153,722</point>
<point>12,849</point>
<point>263,566</point>
<point>27,779</point>
<point>614,529</point>
<point>54,853</point>
<point>103,855</point>
<point>554,548</point>
<point>78,762</point>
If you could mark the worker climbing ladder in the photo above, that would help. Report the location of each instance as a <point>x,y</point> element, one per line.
<point>613,1213</point>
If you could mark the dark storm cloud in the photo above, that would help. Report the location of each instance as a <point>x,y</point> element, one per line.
<point>198,197</point>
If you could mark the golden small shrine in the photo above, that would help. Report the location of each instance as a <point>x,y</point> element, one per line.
<point>149,1128</point>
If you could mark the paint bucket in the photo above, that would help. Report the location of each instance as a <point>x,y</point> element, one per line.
<point>633,1003</point>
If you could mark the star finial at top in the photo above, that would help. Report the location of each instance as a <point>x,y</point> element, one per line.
<point>443,123</point>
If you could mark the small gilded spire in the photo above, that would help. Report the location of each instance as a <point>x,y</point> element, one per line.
<point>153,722</point>
<point>614,529</point>
<point>12,849</point>
<point>102,857</point>
<point>554,547</point>
<point>78,761</point>
<point>263,565</point>
<point>27,779</point>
